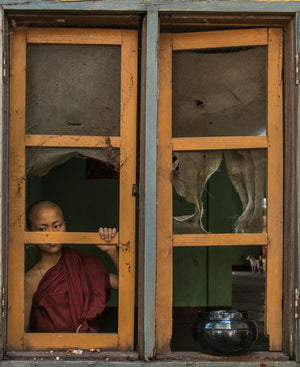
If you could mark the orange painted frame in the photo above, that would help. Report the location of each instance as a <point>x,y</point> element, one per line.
<point>16,338</point>
<point>273,143</point>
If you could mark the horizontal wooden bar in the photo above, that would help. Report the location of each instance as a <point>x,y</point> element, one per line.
<point>38,341</point>
<point>220,239</point>
<point>89,238</point>
<point>74,36</point>
<point>216,39</point>
<point>219,143</point>
<point>72,141</point>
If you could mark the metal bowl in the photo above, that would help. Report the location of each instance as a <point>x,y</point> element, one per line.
<point>224,332</point>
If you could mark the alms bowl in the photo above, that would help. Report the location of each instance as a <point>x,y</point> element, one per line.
<point>224,332</point>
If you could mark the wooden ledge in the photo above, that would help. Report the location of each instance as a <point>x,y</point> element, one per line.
<point>248,357</point>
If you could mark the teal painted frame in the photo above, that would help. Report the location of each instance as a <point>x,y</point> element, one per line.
<point>154,5</point>
<point>151,97</point>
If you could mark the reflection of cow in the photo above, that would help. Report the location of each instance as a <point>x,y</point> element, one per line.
<point>246,169</point>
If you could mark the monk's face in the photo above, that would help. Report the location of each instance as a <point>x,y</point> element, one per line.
<point>48,219</point>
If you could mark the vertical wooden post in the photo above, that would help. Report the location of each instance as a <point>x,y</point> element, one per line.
<point>290,191</point>
<point>2,191</point>
<point>141,202</point>
<point>275,191</point>
<point>16,191</point>
<point>164,296</point>
<point>127,180</point>
<point>147,265</point>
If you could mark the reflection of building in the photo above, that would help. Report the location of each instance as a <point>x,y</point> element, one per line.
<point>251,99</point>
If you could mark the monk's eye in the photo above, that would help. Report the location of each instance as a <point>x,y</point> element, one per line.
<point>42,229</point>
<point>58,226</point>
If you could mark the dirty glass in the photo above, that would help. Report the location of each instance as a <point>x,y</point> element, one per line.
<point>219,191</point>
<point>73,90</point>
<point>219,92</point>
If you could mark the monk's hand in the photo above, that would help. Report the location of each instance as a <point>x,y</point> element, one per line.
<point>107,234</point>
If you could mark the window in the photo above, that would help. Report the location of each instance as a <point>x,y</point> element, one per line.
<point>196,131</point>
<point>33,135</point>
<point>44,65</point>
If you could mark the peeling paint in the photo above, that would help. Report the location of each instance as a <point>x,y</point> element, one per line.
<point>125,246</point>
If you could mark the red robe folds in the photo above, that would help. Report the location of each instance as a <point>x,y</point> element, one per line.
<point>71,295</point>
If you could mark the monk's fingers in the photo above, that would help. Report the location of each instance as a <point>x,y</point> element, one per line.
<point>104,233</point>
<point>107,234</point>
<point>101,233</point>
<point>112,232</point>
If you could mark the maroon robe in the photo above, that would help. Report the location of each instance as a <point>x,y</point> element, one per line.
<point>71,295</point>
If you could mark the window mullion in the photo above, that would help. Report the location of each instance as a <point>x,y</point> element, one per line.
<point>148,176</point>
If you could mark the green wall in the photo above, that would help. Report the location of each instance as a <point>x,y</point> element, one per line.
<point>202,276</point>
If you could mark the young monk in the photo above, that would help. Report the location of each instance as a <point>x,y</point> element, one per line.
<point>66,291</point>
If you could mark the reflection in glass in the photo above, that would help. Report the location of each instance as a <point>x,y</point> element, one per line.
<point>219,92</point>
<point>219,192</point>
<point>73,90</point>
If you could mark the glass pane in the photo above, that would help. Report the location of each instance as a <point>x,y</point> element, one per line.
<point>216,278</point>
<point>57,305</point>
<point>219,192</point>
<point>73,90</point>
<point>84,182</point>
<point>219,92</point>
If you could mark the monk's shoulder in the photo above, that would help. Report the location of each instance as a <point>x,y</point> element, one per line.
<point>85,257</point>
<point>92,260</point>
<point>93,263</point>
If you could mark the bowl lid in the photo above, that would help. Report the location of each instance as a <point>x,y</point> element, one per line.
<point>223,314</point>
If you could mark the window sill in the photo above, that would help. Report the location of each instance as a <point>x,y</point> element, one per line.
<point>201,357</point>
<point>133,356</point>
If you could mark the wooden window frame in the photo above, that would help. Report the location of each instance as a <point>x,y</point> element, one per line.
<point>18,237</point>
<point>272,38</point>
<point>193,18</point>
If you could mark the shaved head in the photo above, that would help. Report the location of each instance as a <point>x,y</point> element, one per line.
<point>35,208</point>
